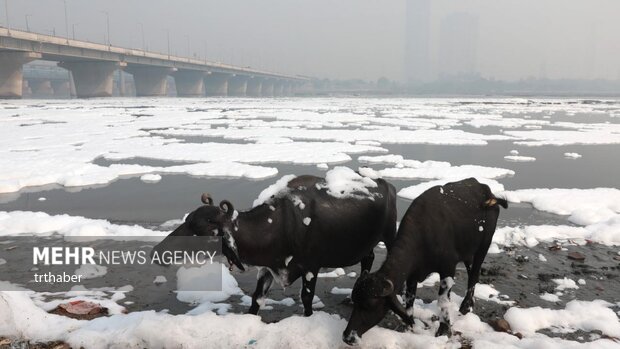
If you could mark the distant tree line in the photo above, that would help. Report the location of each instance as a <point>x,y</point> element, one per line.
<point>469,84</point>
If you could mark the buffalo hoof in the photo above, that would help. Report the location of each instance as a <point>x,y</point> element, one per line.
<point>409,321</point>
<point>308,312</point>
<point>465,308</point>
<point>444,330</point>
<point>253,310</point>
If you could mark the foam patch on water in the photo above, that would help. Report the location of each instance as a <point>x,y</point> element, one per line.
<point>150,178</point>
<point>597,210</point>
<point>203,278</point>
<point>317,131</point>
<point>91,271</point>
<point>338,272</point>
<point>40,223</point>
<point>583,206</point>
<point>429,170</point>
<point>518,158</point>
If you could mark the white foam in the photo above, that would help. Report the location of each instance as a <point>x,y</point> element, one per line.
<point>338,272</point>
<point>550,297</point>
<point>584,206</point>
<point>40,223</point>
<point>338,290</point>
<point>561,137</point>
<point>276,190</point>
<point>572,155</point>
<point>196,284</point>
<point>313,131</point>
<point>564,284</point>
<point>160,279</point>
<point>598,210</point>
<point>150,178</point>
<point>518,158</point>
<point>202,327</point>
<point>582,315</point>
<point>489,293</point>
<point>91,271</point>
<point>343,182</point>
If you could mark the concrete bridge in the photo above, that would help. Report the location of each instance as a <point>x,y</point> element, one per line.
<point>92,67</point>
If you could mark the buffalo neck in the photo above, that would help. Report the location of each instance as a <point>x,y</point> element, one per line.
<point>254,234</point>
<point>402,259</point>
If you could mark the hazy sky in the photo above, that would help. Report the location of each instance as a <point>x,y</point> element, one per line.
<point>348,38</point>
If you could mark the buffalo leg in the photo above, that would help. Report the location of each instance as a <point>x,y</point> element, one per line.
<point>473,274</point>
<point>445,286</point>
<point>412,287</point>
<point>307,290</point>
<point>367,261</point>
<point>468,300</point>
<point>398,309</point>
<point>262,287</point>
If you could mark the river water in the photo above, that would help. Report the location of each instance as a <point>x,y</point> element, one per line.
<point>129,200</point>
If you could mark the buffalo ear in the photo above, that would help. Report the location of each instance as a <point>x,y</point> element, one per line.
<point>206,199</point>
<point>227,207</point>
<point>388,287</point>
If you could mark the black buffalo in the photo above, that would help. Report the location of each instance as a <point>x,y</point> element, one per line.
<point>443,226</point>
<point>298,231</point>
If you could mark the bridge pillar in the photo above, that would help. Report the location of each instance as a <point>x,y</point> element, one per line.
<point>267,88</point>
<point>287,88</point>
<point>41,88</point>
<point>150,81</point>
<point>11,72</point>
<point>190,83</point>
<point>92,79</point>
<point>26,90</point>
<point>278,88</point>
<point>237,86</point>
<point>216,84</point>
<point>254,88</point>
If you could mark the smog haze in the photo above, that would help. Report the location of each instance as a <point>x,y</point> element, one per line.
<point>345,39</point>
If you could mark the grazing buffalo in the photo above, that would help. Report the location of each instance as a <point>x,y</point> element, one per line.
<point>299,225</point>
<point>443,226</point>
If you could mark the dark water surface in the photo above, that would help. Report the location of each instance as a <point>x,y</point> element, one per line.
<point>133,201</point>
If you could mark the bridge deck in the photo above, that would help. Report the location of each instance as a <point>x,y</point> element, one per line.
<point>67,50</point>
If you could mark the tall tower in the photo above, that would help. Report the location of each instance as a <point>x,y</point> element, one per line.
<point>417,53</point>
<point>458,45</point>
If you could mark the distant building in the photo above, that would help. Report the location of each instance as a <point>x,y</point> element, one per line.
<point>458,45</point>
<point>417,53</point>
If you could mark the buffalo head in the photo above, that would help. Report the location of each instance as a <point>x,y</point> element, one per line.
<point>209,220</point>
<point>373,295</point>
